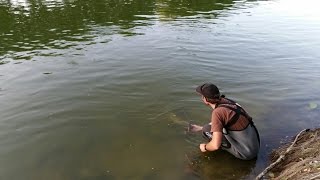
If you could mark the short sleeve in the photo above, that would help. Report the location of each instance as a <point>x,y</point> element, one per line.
<point>216,121</point>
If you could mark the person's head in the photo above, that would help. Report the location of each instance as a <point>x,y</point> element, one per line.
<point>209,92</point>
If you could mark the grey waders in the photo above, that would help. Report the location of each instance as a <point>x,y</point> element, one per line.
<point>243,144</point>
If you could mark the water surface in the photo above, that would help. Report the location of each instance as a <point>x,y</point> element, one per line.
<point>98,89</point>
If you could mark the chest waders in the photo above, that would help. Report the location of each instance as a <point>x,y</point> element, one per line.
<point>243,144</point>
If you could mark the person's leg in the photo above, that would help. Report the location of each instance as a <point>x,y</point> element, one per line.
<point>206,132</point>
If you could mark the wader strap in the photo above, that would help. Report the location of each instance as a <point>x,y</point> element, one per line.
<point>235,118</point>
<point>238,111</point>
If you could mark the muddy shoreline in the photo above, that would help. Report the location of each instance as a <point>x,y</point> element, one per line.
<point>300,160</point>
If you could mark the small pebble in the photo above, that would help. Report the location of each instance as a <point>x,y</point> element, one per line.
<point>271,175</point>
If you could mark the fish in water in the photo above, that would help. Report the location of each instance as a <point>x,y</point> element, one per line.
<point>177,120</point>
<point>189,127</point>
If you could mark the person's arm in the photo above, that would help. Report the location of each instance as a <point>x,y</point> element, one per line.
<point>214,144</point>
<point>216,128</point>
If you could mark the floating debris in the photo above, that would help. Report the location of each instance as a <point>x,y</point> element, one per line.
<point>313,105</point>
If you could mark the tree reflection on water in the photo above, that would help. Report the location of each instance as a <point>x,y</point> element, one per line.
<point>32,27</point>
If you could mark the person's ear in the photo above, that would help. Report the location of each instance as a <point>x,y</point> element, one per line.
<point>205,100</point>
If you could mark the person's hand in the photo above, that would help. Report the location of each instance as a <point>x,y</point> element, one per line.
<point>194,128</point>
<point>203,147</point>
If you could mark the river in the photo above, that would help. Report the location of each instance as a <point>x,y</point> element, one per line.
<point>100,89</point>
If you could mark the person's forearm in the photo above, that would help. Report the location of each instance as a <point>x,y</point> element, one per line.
<point>208,147</point>
<point>212,146</point>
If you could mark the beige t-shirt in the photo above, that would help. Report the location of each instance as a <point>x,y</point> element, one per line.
<point>222,115</point>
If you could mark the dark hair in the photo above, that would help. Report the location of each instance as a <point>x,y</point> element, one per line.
<point>209,91</point>
<point>216,100</point>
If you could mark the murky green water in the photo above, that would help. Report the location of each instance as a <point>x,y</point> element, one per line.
<point>98,89</point>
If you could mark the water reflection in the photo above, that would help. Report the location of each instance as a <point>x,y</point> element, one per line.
<point>45,28</point>
<point>44,25</point>
<point>207,9</point>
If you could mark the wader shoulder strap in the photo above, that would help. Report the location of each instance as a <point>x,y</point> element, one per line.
<point>238,111</point>
<point>235,118</point>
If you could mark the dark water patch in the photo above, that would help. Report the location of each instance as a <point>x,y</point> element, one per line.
<point>286,119</point>
<point>209,165</point>
<point>47,73</point>
<point>280,124</point>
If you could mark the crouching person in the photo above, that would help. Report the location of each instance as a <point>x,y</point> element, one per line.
<point>230,129</point>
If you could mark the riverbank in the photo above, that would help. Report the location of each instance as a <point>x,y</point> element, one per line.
<point>301,160</point>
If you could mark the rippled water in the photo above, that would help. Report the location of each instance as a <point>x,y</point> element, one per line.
<point>101,89</point>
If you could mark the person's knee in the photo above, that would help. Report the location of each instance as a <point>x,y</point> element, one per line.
<point>206,132</point>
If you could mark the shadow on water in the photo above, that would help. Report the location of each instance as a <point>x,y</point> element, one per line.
<point>41,28</point>
<point>217,165</point>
